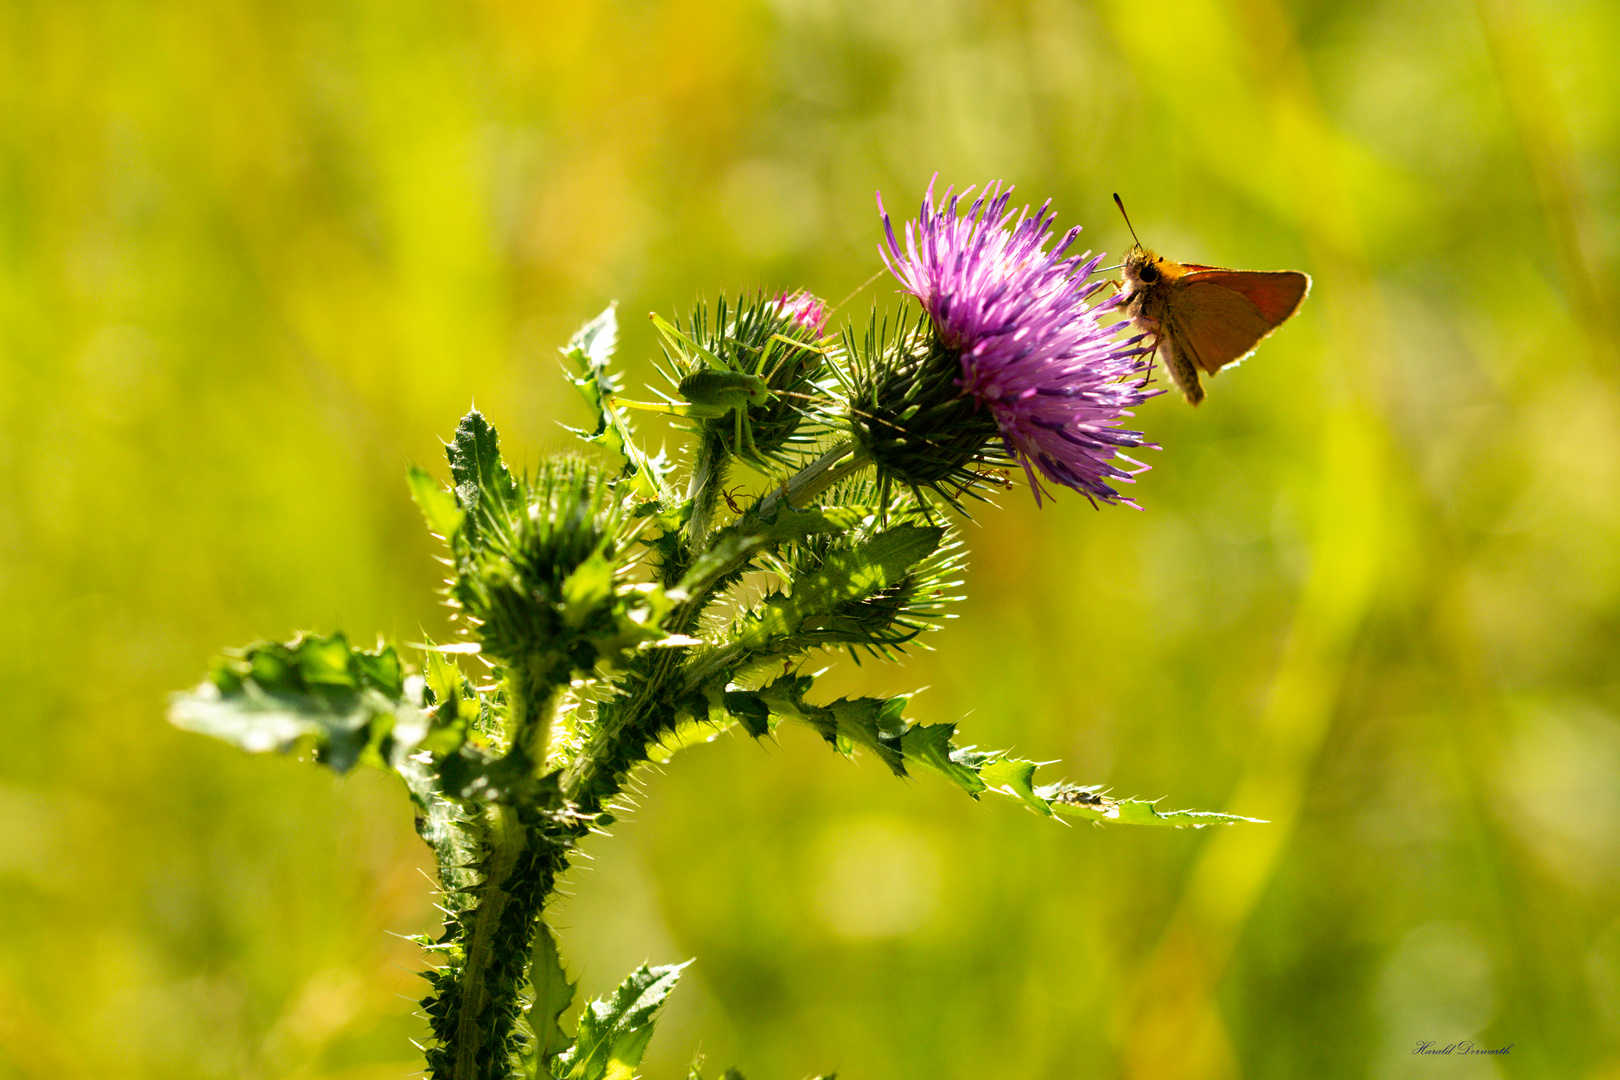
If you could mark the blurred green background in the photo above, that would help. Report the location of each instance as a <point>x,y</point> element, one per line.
<point>255,258</point>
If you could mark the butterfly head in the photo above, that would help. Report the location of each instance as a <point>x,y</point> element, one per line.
<point>1143,269</point>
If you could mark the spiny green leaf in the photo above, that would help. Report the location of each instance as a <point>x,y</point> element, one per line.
<point>553,993</point>
<point>693,730</point>
<point>731,547</point>
<point>482,479</point>
<point>1015,777</point>
<point>457,707</point>
<point>444,825</point>
<point>929,746</point>
<point>878,725</point>
<point>750,710</point>
<point>825,604</point>
<point>593,343</point>
<point>874,723</point>
<point>587,355</point>
<point>613,1034</point>
<point>314,692</point>
<point>438,506</point>
<point>1069,800</point>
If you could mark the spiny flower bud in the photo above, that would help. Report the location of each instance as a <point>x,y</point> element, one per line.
<point>537,572</point>
<point>752,377</point>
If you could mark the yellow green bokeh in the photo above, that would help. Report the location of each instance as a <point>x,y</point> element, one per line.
<point>257,258</point>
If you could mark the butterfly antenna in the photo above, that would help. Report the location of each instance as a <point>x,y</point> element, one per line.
<point>1120,203</point>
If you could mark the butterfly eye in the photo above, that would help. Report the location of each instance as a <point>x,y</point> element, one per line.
<point>1149,273</point>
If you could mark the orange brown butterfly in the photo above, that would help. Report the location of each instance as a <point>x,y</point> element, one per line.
<point>1203,318</point>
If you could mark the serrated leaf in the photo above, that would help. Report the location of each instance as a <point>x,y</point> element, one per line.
<point>381,668</point>
<point>1068,800</point>
<point>455,702</point>
<point>690,731</point>
<point>873,723</point>
<point>593,343</point>
<point>553,993</point>
<point>845,574</point>
<point>823,606</point>
<point>438,505</point>
<point>313,692</point>
<point>587,354</point>
<point>613,1034</point>
<point>482,479</point>
<point>730,548</point>
<point>1015,777</point>
<point>749,710</point>
<point>878,725</point>
<point>864,722</point>
<point>929,746</point>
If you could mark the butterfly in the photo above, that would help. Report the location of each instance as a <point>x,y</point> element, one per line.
<point>1203,318</point>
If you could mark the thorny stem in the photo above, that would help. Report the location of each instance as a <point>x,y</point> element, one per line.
<point>473,1037</point>
<point>533,690</point>
<point>596,774</point>
<point>522,857</point>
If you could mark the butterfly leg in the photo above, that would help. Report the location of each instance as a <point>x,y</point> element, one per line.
<point>1147,372</point>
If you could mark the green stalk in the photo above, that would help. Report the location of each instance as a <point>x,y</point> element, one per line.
<point>479,1034</point>
<point>477,993</point>
<point>520,850</point>
<point>523,848</point>
<point>533,686</point>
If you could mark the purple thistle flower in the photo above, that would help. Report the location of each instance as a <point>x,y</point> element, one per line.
<point>1031,348</point>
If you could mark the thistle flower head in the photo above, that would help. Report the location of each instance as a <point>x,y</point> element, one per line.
<point>1029,346</point>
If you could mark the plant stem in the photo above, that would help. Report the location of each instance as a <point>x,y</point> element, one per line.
<point>523,849</point>
<point>479,1030</point>
<point>533,686</point>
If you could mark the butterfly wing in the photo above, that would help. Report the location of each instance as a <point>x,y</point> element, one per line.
<point>1221,315</point>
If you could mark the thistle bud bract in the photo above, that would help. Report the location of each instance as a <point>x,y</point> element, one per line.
<point>537,568</point>
<point>908,413</point>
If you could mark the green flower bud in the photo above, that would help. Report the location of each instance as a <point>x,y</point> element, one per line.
<point>750,380</point>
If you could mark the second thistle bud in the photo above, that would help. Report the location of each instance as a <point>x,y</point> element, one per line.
<point>751,378</point>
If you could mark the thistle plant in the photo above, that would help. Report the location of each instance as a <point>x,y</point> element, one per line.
<point>612,608</point>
